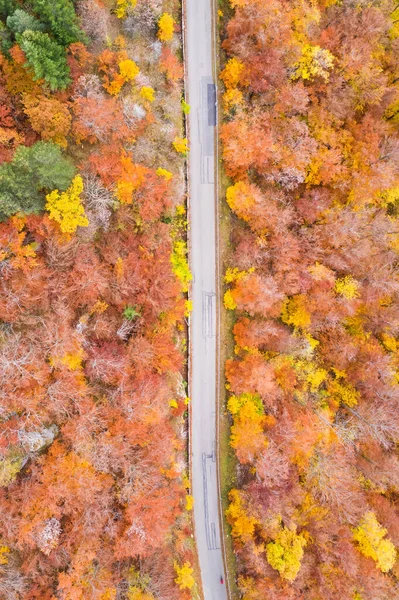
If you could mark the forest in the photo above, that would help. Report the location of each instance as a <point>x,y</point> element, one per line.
<point>310,148</point>
<point>95,497</point>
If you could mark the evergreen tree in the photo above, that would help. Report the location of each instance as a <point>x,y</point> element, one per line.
<point>46,58</point>
<point>21,21</point>
<point>41,167</point>
<point>60,18</point>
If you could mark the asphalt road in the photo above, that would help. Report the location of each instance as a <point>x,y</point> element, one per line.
<point>203,194</point>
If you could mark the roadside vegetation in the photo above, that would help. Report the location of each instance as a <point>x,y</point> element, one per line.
<point>95,497</point>
<point>310,147</point>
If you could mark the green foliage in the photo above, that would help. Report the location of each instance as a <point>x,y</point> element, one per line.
<point>6,42</point>
<point>7,7</point>
<point>21,21</point>
<point>131,313</point>
<point>60,17</point>
<point>46,58</point>
<point>39,167</point>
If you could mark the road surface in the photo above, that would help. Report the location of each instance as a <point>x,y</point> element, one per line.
<point>202,120</point>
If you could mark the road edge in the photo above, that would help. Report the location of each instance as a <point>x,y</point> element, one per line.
<point>186,124</point>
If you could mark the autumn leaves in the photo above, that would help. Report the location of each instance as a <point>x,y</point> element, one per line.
<point>309,145</point>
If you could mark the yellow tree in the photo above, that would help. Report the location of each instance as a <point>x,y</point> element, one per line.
<point>166,27</point>
<point>286,552</point>
<point>66,207</point>
<point>371,542</point>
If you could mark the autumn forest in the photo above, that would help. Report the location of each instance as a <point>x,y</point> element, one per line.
<point>95,485</point>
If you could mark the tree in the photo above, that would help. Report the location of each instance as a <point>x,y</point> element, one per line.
<point>184,576</point>
<point>61,20</point>
<point>286,552</point>
<point>21,21</point>
<point>33,169</point>
<point>370,537</point>
<point>66,207</point>
<point>46,58</point>
<point>166,27</point>
<point>49,117</point>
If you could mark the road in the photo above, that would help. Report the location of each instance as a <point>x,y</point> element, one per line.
<point>200,90</point>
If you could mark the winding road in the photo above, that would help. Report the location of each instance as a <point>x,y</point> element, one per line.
<point>201,93</point>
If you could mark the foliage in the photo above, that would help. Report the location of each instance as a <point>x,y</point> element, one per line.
<point>371,542</point>
<point>161,172</point>
<point>123,6</point>
<point>32,169</point>
<point>49,117</point>
<point>66,207</point>
<point>179,263</point>
<point>60,18</point>
<point>21,21</point>
<point>242,525</point>
<point>295,312</point>
<point>131,313</point>
<point>231,74</point>
<point>314,62</point>
<point>147,93</point>
<point>166,26</point>
<point>347,287</point>
<point>180,145</point>
<point>46,58</point>
<point>286,552</point>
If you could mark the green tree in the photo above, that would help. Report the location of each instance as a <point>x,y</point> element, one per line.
<point>21,21</point>
<point>46,58</point>
<point>41,167</point>
<point>7,7</point>
<point>60,18</point>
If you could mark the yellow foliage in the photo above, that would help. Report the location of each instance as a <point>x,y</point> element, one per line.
<point>229,301</point>
<point>239,199</point>
<point>173,404</point>
<point>10,466</point>
<point>232,72</point>
<point>164,173</point>
<point>370,537</point>
<point>184,579</point>
<point>99,307</point>
<point>180,145</point>
<point>231,98</point>
<point>4,551</point>
<point>242,525</point>
<point>189,502</point>
<point>344,393</point>
<point>295,312</point>
<point>147,93</point>
<point>315,378</point>
<point>347,287</point>
<point>285,553</point>
<point>109,594</point>
<point>248,415</point>
<point>166,27</point>
<point>128,70</point>
<point>122,7</point>
<point>188,308</point>
<point>73,360</point>
<point>389,342</point>
<point>135,593</point>
<point>66,207</point>
<point>180,265</point>
<point>235,274</point>
<point>314,62</point>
